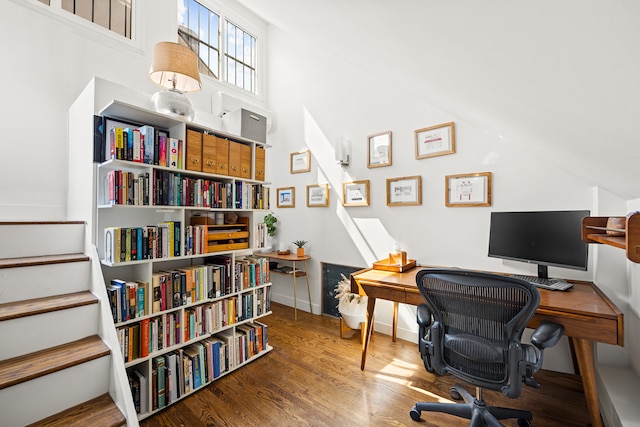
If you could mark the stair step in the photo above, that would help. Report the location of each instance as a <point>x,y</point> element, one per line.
<point>42,260</point>
<point>15,310</point>
<point>27,367</point>
<point>37,238</point>
<point>98,412</point>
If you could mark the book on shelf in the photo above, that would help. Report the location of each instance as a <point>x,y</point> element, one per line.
<point>171,363</point>
<point>158,364</point>
<point>144,391</point>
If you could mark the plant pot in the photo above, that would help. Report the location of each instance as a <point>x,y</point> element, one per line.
<point>300,251</point>
<point>353,312</point>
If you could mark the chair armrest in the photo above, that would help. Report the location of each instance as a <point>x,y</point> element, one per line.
<point>547,335</point>
<point>423,316</point>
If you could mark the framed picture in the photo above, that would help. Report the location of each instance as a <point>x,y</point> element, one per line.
<point>286,197</point>
<point>300,161</point>
<point>435,141</point>
<point>317,195</point>
<point>472,189</point>
<point>404,191</point>
<point>355,193</point>
<point>379,150</point>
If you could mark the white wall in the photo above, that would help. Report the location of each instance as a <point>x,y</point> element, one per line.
<point>317,97</point>
<point>314,98</point>
<point>49,57</point>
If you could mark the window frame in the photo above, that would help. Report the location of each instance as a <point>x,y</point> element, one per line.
<point>226,12</point>
<point>92,30</point>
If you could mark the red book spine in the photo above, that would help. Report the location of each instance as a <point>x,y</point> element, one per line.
<point>144,337</point>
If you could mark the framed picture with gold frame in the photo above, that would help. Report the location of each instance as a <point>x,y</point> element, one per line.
<point>472,189</point>
<point>379,150</point>
<point>286,197</point>
<point>317,195</point>
<point>300,162</point>
<point>404,191</point>
<point>435,141</point>
<point>355,193</point>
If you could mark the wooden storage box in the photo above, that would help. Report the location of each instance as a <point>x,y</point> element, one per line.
<point>224,237</point>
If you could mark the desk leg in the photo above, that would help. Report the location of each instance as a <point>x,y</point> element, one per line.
<point>584,352</point>
<point>395,321</point>
<point>295,304</point>
<point>371,305</point>
<point>306,275</point>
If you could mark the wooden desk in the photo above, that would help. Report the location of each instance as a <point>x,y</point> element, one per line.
<point>586,313</point>
<point>293,258</point>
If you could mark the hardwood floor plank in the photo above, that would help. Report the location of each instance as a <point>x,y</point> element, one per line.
<point>313,378</point>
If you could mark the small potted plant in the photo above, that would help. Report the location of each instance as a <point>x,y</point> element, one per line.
<point>270,221</point>
<point>300,244</point>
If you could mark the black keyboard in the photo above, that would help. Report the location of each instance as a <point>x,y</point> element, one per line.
<point>550,284</point>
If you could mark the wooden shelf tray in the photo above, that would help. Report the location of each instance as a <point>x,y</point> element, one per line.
<point>385,265</point>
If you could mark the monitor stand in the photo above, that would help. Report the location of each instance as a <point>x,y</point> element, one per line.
<point>543,272</point>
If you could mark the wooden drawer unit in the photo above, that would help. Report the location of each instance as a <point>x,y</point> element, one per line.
<point>193,159</point>
<point>225,237</point>
<point>245,161</point>
<point>260,164</point>
<point>222,155</point>
<point>235,150</point>
<point>209,153</point>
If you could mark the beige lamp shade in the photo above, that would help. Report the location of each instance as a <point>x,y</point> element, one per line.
<point>175,67</point>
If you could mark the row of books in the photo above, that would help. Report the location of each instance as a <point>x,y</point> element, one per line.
<point>126,188</point>
<point>152,334</point>
<point>124,244</point>
<point>176,189</point>
<point>251,271</point>
<point>182,371</point>
<point>144,144</point>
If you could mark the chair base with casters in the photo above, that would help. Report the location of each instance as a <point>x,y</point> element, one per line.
<point>473,408</point>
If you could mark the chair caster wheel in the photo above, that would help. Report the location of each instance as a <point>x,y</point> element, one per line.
<point>415,414</point>
<point>454,394</point>
<point>524,423</point>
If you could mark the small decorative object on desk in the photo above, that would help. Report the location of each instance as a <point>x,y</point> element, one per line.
<point>397,261</point>
<point>300,244</point>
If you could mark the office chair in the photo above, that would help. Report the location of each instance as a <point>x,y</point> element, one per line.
<point>471,327</point>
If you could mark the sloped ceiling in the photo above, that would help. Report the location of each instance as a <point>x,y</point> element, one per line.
<point>560,79</point>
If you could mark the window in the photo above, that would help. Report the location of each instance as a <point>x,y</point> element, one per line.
<point>114,15</point>
<point>199,28</point>
<point>240,57</point>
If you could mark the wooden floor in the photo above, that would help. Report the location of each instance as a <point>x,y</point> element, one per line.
<point>313,378</point>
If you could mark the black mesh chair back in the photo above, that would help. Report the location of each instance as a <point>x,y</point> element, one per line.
<point>470,326</point>
<point>481,318</point>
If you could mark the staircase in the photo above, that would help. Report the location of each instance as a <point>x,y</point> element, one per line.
<point>55,369</point>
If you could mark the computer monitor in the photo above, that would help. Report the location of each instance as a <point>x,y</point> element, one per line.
<point>544,238</point>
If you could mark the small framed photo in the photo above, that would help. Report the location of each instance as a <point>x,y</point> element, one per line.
<point>300,161</point>
<point>317,195</point>
<point>435,141</point>
<point>379,150</point>
<point>473,189</point>
<point>286,197</point>
<point>404,191</point>
<point>355,193</point>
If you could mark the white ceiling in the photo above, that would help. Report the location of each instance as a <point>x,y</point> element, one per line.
<point>558,78</point>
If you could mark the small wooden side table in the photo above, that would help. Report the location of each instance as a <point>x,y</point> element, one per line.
<point>292,258</point>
